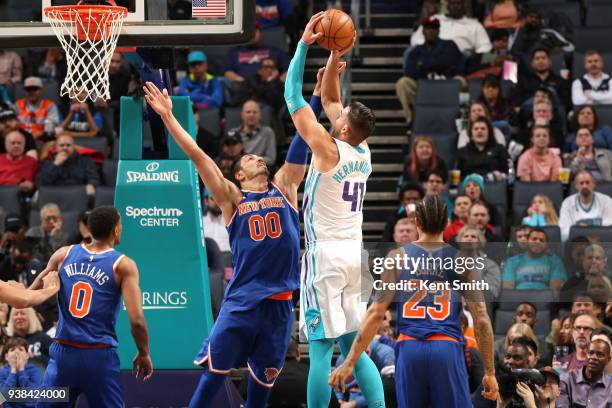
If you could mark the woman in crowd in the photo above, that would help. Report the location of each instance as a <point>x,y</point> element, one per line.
<point>478,110</point>
<point>598,161</point>
<point>24,323</point>
<point>562,335</point>
<point>422,160</point>
<point>539,163</point>
<point>541,212</point>
<point>483,155</point>
<point>472,241</point>
<point>600,290</point>
<point>586,116</point>
<point>473,186</point>
<point>499,107</point>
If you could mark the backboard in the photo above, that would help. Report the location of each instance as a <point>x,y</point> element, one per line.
<point>149,22</point>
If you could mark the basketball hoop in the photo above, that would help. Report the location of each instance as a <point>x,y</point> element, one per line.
<point>88,34</point>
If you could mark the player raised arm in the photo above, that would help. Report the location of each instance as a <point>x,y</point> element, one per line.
<point>304,119</point>
<point>225,192</point>
<point>291,174</point>
<point>14,294</point>
<point>130,290</point>
<point>483,330</point>
<point>369,326</point>
<point>330,90</point>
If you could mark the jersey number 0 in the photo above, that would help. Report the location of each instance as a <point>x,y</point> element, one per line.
<point>80,299</point>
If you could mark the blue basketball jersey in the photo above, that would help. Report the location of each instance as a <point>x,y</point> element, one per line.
<point>432,307</point>
<point>264,235</point>
<point>89,297</point>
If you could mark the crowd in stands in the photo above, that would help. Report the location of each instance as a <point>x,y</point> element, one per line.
<point>527,180</point>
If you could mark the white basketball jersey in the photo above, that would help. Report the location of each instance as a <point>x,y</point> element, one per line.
<point>333,201</point>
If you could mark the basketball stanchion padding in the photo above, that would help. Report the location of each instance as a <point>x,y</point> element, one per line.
<point>160,207</point>
<point>88,34</point>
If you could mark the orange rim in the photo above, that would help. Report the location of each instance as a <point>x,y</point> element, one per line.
<point>66,13</point>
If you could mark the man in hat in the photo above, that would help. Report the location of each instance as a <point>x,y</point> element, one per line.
<point>37,115</point>
<point>10,123</point>
<point>468,33</point>
<point>203,88</point>
<point>435,58</point>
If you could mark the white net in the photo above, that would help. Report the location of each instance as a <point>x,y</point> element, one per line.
<point>89,38</point>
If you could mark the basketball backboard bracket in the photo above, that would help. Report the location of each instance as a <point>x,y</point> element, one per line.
<point>237,26</point>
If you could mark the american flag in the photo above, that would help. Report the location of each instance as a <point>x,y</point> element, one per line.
<point>208,8</point>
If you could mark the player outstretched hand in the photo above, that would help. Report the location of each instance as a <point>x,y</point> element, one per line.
<point>158,100</point>
<point>309,36</point>
<point>142,366</point>
<point>51,281</point>
<point>490,388</point>
<point>338,377</point>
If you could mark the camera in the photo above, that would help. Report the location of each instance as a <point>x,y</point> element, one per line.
<point>508,378</point>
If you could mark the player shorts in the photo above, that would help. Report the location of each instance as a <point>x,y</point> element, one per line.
<point>257,337</point>
<point>333,299</point>
<point>93,372</point>
<point>431,374</point>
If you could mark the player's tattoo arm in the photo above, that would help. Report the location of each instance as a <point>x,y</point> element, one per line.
<point>224,191</point>
<point>130,290</point>
<point>483,330</point>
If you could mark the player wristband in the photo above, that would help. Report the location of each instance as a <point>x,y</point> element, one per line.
<point>295,76</point>
<point>298,149</point>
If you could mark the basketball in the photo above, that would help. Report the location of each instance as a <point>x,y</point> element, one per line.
<point>337,28</point>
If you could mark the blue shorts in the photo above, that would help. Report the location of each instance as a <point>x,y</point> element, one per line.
<point>93,372</point>
<point>431,374</point>
<point>256,337</point>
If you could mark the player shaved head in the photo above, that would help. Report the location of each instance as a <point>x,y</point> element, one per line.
<point>103,221</point>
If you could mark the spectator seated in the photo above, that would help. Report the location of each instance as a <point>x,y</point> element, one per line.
<point>586,116</point>
<point>587,157</point>
<point>539,163</point>
<point>202,87</point>
<point>36,115</point>
<point>593,88</point>
<point>16,168</point>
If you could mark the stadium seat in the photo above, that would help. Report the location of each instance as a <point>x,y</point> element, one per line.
<point>550,8</point>
<point>9,199</point>
<point>446,147</point>
<point>70,224</point>
<point>496,193</point>
<point>598,15</point>
<point>233,119</point>
<point>587,38</point>
<point>503,321</point>
<point>98,143</point>
<point>603,234</point>
<point>510,299</point>
<point>434,119</point>
<point>438,92</point>
<point>209,121</point>
<point>215,55</point>
<point>524,192</point>
<point>604,187</point>
<point>109,172</point>
<point>604,113</point>
<point>104,196</point>
<point>68,198</point>
<point>275,37</point>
